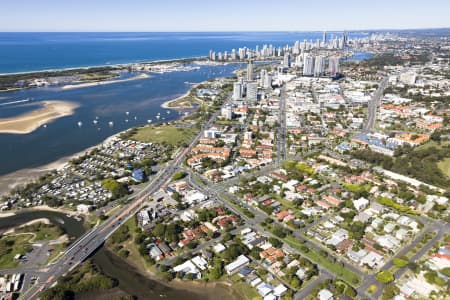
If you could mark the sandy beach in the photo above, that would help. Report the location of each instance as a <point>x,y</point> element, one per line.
<point>96,83</point>
<point>167,103</point>
<point>29,122</point>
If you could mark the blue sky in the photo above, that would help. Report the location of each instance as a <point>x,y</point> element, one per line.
<point>213,15</point>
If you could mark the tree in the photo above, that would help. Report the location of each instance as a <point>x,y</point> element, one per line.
<point>117,189</point>
<point>178,175</point>
<point>385,277</point>
<point>399,262</point>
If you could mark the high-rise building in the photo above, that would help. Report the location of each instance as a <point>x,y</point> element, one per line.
<point>324,38</point>
<point>308,66</point>
<point>319,66</point>
<point>333,66</point>
<point>287,60</point>
<point>252,92</point>
<point>250,70</point>
<point>237,91</point>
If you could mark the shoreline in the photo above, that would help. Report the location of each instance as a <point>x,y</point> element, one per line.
<point>106,82</point>
<point>116,65</point>
<point>31,121</point>
<point>22,177</point>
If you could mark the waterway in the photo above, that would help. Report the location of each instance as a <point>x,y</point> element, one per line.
<point>131,281</point>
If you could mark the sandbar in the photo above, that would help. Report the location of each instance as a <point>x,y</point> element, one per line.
<point>30,121</point>
<point>96,83</point>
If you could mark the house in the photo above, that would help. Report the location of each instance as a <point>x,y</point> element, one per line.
<point>138,175</point>
<point>361,203</point>
<point>279,290</point>
<point>271,255</point>
<point>372,259</point>
<point>234,266</point>
<point>219,248</point>
<point>188,267</point>
<point>325,295</point>
<point>200,262</point>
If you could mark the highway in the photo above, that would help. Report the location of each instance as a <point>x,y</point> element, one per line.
<point>373,104</point>
<point>96,237</point>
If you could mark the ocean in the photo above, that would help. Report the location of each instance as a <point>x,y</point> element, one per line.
<point>24,52</point>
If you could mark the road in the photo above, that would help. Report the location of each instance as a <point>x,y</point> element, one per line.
<point>281,138</point>
<point>373,106</point>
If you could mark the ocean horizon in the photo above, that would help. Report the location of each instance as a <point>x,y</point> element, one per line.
<point>22,52</point>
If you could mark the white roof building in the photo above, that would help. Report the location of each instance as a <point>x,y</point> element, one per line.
<point>325,295</point>
<point>241,261</point>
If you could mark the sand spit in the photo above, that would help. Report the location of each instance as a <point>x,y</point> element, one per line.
<point>30,121</point>
<point>96,83</point>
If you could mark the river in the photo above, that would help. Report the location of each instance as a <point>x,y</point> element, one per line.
<point>131,281</point>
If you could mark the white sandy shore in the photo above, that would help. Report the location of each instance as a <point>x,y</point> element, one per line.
<point>96,83</point>
<point>30,121</point>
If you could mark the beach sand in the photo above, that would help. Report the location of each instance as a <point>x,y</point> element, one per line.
<point>167,103</point>
<point>96,83</point>
<point>30,121</point>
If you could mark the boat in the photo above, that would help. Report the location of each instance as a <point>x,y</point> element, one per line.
<point>127,113</point>
<point>45,125</point>
<point>158,116</point>
<point>80,123</point>
<point>95,121</point>
<point>126,120</point>
<point>111,123</point>
<point>149,120</point>
<point>135,118</point>
<point>168,112</point>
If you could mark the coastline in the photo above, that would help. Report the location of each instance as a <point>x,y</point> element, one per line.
<point>97,83</point>
<point>30,121</point>
<point>24,176</point>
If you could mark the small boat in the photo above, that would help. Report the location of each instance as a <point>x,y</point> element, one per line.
<point>135,118</point>
<point>45,125</point>
<point>168,112</point>
<point>111,123</point>
<point>149,120</point>
<point>127,113</point>
<point>80,124</point>
<point>95,121</point>
<point>158,116</point>
<point>126,120</point>
<point>96,117</point>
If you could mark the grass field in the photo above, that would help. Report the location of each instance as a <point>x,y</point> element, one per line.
<point>246,291</point>
<point>12,245</point>
<point>44,232</point>
<point>334,267</point>
<point>164,133</point>
<point>444,166</point>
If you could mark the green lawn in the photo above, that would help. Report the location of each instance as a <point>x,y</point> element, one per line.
<point>444,166</point>
<point>44,232</point>
<point>164,133</point>
<point>246,291</point>
<point>333,267</point>
<point>12,245</point>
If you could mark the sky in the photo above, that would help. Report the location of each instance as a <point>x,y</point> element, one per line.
<point>224,15</point>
